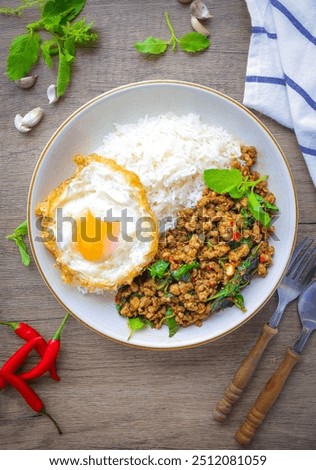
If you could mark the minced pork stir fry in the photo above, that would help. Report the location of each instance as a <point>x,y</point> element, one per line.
<point>205,261</point>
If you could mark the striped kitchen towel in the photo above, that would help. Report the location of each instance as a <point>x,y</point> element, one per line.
<point>281,69</point>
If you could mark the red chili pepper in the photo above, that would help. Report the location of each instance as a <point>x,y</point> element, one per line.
<point>236,236</point>
<point>31,398</point>
<point>49,357</point>
<point>28,333</point>
<point>17,359</point>
<point>262,259</point>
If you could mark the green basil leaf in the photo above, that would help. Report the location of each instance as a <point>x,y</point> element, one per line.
<point>257,211</point>
<point>267,204</point>
<point>152,45</point>
<point>183,270</point>
<point>159,268</point>
<point>194,42</point>
<point>47,52</point>
<point>223,181</point>
<point>135,324</point>
<point>25,257</point>
<point>171,322</point>
<point>23,54</point>
<point>67,10</point>
<point>239,301</point>
<point>20,231</point>
<point>64,74</point>
<point>17,236</point>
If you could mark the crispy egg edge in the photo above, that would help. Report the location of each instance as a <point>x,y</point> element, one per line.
<point>46,210</point>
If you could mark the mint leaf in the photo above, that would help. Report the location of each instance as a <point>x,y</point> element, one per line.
<point>152,46</point>
<point>23,54</point>
<point>159,268</point>
<point>66,10</point>
<point>194,42</point>
<point>171,322</point>
<point>135,324</point>
<point>224,181</point>
<point>64,74</point>
<point>257,211</point>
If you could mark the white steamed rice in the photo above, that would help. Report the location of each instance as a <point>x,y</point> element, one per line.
<point>169,153</point>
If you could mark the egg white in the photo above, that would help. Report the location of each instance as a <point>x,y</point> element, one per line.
<point>99,185</point>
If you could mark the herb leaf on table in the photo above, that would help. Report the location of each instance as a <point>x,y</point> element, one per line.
<point>193,42</point>
<point>56,19</point>
<point>190,42</point>
<point>23,54</point>
<point>151,45</point>
<point>18,237</point>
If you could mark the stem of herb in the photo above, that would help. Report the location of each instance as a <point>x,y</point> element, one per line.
<point>173,39</point>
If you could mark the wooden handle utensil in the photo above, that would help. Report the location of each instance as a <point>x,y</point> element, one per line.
<point>243,374</point>
<point>266,398</point>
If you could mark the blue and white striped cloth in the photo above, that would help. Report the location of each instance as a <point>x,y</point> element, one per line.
<point>281,69</point>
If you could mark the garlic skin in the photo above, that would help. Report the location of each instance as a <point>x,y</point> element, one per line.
<point>197,26</point>
<point>26,82</point>
<point>52,94</point>
<point>18,124</point>
<point>33,117</point>
<point>200,10</point>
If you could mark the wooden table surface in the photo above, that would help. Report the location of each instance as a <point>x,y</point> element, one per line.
<point>113,396</point>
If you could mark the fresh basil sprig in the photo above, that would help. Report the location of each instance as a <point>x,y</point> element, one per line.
<point>190,42</point>
<point>138,323</point>
<point>18,10</point>
<point>158,269</point>
<point>56,19</point>
<point>170,320</point>
<point>183,270</point>
<point>18,237</point>
<point>233,183</point>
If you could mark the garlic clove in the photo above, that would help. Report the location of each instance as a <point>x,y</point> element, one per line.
<point>26,82</point>
<point>200,10</point>
<point>33,117</point>
<point>18,124</point>
<point>52,94</point>
<point>197,26</point>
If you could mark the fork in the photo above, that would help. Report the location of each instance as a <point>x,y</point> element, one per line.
<point>298,275</point>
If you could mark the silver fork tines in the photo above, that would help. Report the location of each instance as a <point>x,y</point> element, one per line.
<point>305,265</point>
<point>299,251</point>
<point>298,275</point>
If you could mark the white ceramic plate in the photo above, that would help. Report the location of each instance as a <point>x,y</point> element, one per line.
<point>83,132</point>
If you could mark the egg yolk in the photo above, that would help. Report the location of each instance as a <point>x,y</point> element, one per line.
<point>96,239</point>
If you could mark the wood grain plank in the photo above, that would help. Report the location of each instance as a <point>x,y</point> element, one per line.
<point>113,396</point>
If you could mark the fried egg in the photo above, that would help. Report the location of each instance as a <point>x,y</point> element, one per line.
<point>98,225</point>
